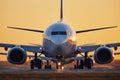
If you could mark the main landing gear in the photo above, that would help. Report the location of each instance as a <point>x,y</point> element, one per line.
<point>47,66</point>
<point>59,63</point>
<point>39,63</point>
<point>86,63</point>
<point>36,63</point>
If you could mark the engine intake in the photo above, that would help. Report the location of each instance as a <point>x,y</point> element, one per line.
<point>17,55</point>
<point>103,55</point>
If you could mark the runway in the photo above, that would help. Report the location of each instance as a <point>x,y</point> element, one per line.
<point>57,71</point>
<point>23,72</point>
<point>93,74</point>
<point>6,67</point>
<point>100,69</point>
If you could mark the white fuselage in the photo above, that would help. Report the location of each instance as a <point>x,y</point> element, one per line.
<point>59,40</point>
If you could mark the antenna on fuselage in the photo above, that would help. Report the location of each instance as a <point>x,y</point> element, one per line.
<point>61,10</point>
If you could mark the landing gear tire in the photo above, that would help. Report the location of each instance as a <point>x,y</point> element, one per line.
<point>81,66</point>
<point>59,65</point>
<point>37,63</point>
<point>89,63</point>
<point>75,66</point>
<point>32,64</point>
<point>47,66</point>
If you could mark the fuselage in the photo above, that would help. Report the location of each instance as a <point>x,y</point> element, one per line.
<point>59,41</point>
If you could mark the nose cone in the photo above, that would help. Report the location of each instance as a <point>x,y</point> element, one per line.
<point>59,39</point>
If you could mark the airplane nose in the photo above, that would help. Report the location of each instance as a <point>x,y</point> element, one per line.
<point>59,39</point>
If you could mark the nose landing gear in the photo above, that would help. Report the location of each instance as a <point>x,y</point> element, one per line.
<point>59,65</point>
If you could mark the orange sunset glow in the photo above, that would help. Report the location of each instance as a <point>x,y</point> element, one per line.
<point>39,14</point>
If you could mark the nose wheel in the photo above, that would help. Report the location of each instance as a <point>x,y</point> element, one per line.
<point>59,65</point>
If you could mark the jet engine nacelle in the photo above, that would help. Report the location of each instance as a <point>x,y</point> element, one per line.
<point>103,55</point>
<point>17,55</point>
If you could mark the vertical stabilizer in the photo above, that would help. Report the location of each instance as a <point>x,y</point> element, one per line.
<point>61,10</point>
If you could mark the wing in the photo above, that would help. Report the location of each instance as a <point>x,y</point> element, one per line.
<point>117,53</point>
<point>28,48</point>
<point>1,53</point>
<point>96,29</point>
<point>90,48</point>
<point>40,57</point>
<point>32,56</point>
<point>25,29</point>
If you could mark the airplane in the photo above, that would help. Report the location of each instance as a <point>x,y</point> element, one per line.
<point>59,46</point>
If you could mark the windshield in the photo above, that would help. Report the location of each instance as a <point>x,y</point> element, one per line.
<point>59,33</point>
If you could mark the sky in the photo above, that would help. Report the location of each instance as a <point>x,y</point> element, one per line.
<point>79,14</point>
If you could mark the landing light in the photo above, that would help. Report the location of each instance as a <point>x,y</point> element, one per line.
<point>79,47</point>
<point>59,63</point>
<point>62,67</point>
<point>74,38</point>
<point>40,48</point>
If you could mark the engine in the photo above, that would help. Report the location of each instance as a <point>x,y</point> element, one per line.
<point>103,55</point>
<point>17,55</point>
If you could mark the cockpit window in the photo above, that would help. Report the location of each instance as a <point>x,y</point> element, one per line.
<point>58,33</point>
